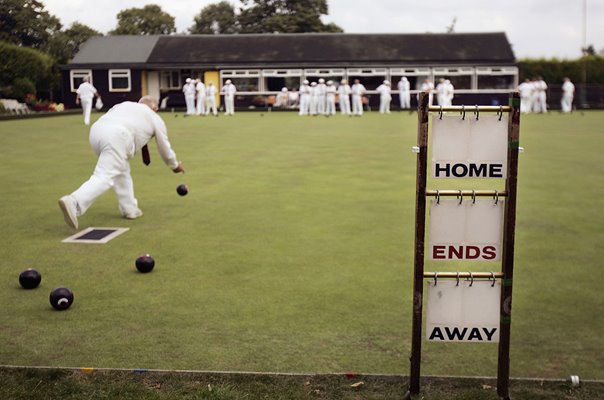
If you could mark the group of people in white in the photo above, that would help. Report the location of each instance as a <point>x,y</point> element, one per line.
<point>533,95</point>
<point>201,99</point>
<point>321,97</point>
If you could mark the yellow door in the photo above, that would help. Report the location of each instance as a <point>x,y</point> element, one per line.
<point>214,77</point>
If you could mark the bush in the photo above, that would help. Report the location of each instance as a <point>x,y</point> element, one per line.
<point>23,63</point>
<point>554,71</point>
<point>22,89</point>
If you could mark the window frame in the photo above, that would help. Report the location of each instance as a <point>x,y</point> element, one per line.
<point>117,73</point>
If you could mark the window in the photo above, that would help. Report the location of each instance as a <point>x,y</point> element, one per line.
<point>244,80</point>
<point>169,80</point>
<point>415,76</point>
<point>276,79</point>
<point>76,77</point>
<point>497,78</point>
<point>119,80</point>
<point>460,77</point>
<point>371,78</point>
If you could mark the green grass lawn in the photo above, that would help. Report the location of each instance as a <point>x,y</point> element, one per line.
<point>293,251</point>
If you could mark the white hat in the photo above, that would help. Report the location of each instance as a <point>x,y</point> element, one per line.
<point>386,82</point>
<point>329,82</point>
<point>228,82</point>
<point>188,80</point>
<point>284,89</point>
<point>313,84</point>
<point>343,81</point>
<point>321,80</point>
<point>305,81</point>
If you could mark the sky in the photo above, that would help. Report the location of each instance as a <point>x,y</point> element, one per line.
<point>535,28</point>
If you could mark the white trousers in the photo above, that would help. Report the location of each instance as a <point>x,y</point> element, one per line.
<point>304,104</point>
<point>405,99</point>
<point>86,109</point>
<point>211,105</point>
<point>385,104</point>
<point>201,105</point>
<point>567,102</point>
<point>330,104</point>
<point>357,104</point>
<point>229,104</point>
<point>345,105</point>
<point>114,145</point>
<point>321,104</point>
<point>314,105</point>
<point>190,102</point>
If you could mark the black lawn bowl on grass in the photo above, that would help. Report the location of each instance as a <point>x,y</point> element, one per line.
<point>145,263</point>
<point>182,189</point>
<point>30,278</point>
<point>61,298</point>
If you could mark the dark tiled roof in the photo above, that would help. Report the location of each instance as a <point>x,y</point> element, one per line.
<point>336,49</point>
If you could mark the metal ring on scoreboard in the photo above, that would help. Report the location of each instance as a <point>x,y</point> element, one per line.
<point>460,196</point>
<point>496,197</point>
<point>438,197</point>
<point>473,196</point>
<point>471,278</point>
<point>463,112</point>
<point>500,112</point>
<point>493,277</point>
<point>440,113</point>
<point>477,112</point>
<point>435,278</point>
<point>457,279</point>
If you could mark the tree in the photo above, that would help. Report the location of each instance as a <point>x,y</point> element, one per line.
<point>23,67</point>
<point>65,44</point>
<point>216,18</point>
<point>285,16</point>
<point>149,20</point>
<point>26,23</point>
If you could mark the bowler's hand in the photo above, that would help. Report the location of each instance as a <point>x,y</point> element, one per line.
<point>179,168</point>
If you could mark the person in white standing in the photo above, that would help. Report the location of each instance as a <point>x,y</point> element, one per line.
<point>427,86</point>
<point>404,93</point>
<point>314,99</point>
<point>385,97</point>
<point>189,91</point>
<point>525,90</point>
<point>116,137</point>
<point>321,90</point>
<point>330,99</point>
<point>440,89</point>
<point>200,98</point>
<point>449,93</point>
<point>85,96</point>
<point>229,91</point>
<point>541,88</point>
<point>357,90</point>
<point>568,94</point>
<point>344,97</point>
<point>211,99</point>
<point>304,93</point>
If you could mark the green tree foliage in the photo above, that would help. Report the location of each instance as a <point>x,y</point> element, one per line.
<point>216,18</point>
<point>554,71</point>
<point>285,16</point>
<point>149,20</point>
<point>26,23</point>
<point>66,43</point>
<point>21,65</point>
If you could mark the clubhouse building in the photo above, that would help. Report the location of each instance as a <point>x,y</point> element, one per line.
<point>481,66</point>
